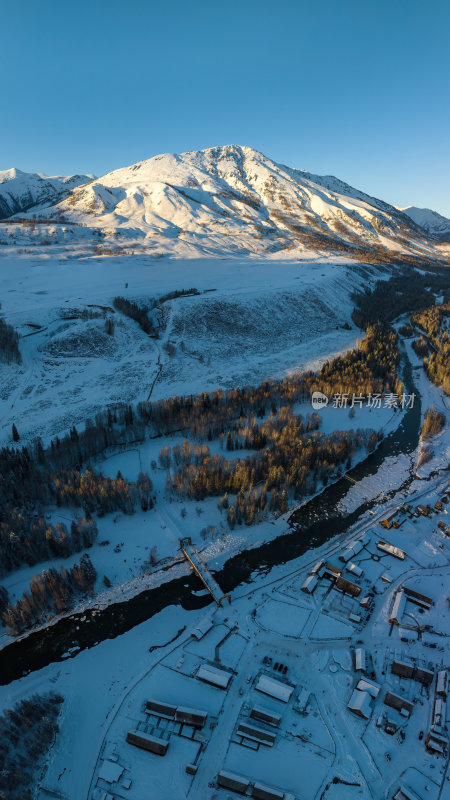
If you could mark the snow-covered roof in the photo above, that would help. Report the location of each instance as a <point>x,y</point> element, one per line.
<point>110,771</point>
<point>398,607</point>
<point>365,685</point>
<point>391,549</point>
<point>273,688</point>
<point>210,674</point>
<point>263,790</point>
<point>355,569</point>
<point>360,659</point>
<point>202,628</point>
<point>360,704</point>
<point>441,682</point>
<point>310,584</point>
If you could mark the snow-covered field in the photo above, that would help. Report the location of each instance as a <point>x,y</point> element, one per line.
<point>254,320</point>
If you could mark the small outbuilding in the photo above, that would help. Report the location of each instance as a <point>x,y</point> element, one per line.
<point>394,701</point>
<point>161,709</point>
<point>360,659</point>
<point>364,685</point>
<point>355,569</point>
<point>404,669</point>
<point>191,716</point>
<point>310,584</point>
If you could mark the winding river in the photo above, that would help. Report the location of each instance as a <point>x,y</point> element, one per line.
<point>313,524</point>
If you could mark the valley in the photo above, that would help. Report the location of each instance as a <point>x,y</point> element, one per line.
<point>174,321</point>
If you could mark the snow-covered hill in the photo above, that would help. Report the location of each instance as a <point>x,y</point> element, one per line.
<point>20,191</point>
<point>432,222</point>
<point>234,200</point>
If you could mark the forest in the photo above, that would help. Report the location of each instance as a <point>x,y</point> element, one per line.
<point>435,322</point>
<point>51,592</point>
<point>290,462</point>
<point>27,731</point>
<point>405,292</point>
<point>29,483</point>
<point>291,459</point>
<point>29,538</point>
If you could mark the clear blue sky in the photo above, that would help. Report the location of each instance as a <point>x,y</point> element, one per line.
<point>353,88</point>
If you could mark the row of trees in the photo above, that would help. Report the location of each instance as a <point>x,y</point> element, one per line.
<point>138,313</point>
<point>51,592</point>
<point>94,492</point>
<point>9,344</point>
<point>420,347</point>
<point>245,433</point>
<point>27,539</point>
<point>27,731</point>
<point>433,422</point>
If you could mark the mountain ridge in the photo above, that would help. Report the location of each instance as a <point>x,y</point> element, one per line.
<point>232,199</point>
<point>21,191</point>
<point>431,221</point>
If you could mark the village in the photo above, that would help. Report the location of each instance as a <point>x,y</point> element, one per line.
<point>328,682</point>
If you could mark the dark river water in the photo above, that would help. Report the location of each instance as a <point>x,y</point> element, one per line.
<point>313,524</point>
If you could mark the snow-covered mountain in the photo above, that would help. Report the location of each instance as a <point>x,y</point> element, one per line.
<point>232,200</point>
<point>20,191</point>
<point>432,222</point>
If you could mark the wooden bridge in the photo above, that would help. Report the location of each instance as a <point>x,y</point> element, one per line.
<point>201,569</point>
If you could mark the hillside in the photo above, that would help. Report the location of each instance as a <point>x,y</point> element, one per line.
<point>233,200</point>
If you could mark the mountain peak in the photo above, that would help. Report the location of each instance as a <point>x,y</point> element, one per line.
<point>431,221</point>
<point>10,174</point>
<point>20,191</point>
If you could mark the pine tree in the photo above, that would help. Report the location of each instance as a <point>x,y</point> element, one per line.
<point>15,433</point>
